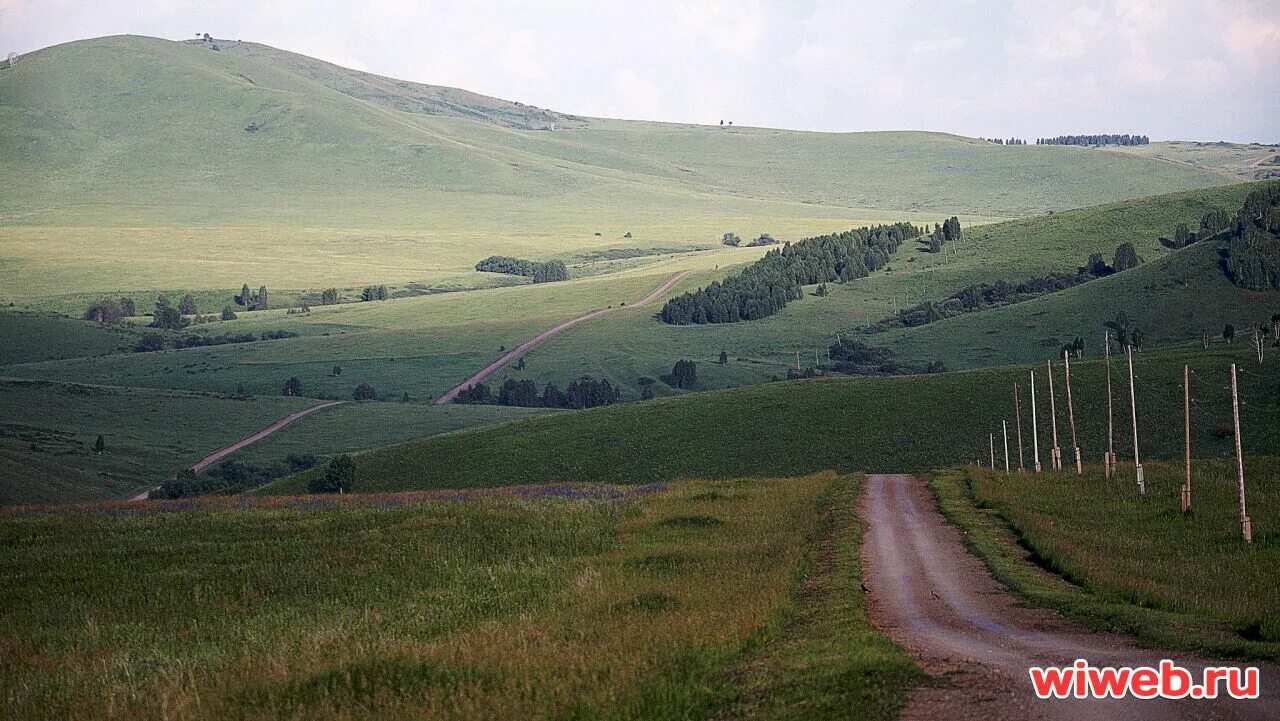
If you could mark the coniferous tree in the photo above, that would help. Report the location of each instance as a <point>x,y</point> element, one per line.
<point>99,445</point>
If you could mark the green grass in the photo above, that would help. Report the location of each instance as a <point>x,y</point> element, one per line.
<point>1129,563</point>
<point>1173,301</point>
<point>41,336</point>
<point>361,426</point>
<point>436,607</point>
<point>353,179</point>
<point>47,433</point>
<point>1179,296</point>
<point>894,424</point>
<point>825,659</point>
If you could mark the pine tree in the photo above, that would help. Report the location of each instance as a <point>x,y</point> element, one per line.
<point>99,445</point>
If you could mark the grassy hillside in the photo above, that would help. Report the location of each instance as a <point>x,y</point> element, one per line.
<point>878,424</point>
<point>558,603</point>
<point>1179,296</point>
<point>1131,562</point>
<point>155,152</point>
<point>1189,294</point>
<point>48,430</point>
<point>425,345</point>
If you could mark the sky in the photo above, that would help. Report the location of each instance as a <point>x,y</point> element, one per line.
<point>1170,69</point>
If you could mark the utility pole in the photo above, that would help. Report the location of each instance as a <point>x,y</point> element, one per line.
<point>1055,456</point>
<point>1071,412</point>
<point>1110,460</point>
<point>1017,409</point>
<point>1133,409</point>
<point>1246,526</point>
<point>1035,434</point>
<point>797,361</point>
<point>1186,416</point>
<point>992,438</point>
<point>1005,425</point>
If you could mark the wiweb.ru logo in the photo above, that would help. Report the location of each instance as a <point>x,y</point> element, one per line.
<point>1166,681</point>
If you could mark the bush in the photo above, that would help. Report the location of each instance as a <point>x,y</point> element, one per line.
<point>365,392</point>
<point>228,313</point>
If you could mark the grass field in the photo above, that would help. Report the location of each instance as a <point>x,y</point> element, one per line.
<point>1134,563</point>
<point>1179,296</point>
<point>559,603</point>
<point>892,424</point>
<point>47,433</point>
<point>255,164</point>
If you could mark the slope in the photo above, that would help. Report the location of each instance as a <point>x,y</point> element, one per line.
<point>1180,296</point>
<point>893,424</point>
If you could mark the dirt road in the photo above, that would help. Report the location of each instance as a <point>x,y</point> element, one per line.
<point>544,335</point>
<point>939,602</point>
<point>221,453</point>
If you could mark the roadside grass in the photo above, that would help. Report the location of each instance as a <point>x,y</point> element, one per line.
<point>823,659</point>
<point>558,602</point>
<point>1100,553</point>
<point>889,424</point>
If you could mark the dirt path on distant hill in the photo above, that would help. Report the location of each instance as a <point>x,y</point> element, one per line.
<point>544,335</point>
<point>938,601</point>
<point>221,453</point>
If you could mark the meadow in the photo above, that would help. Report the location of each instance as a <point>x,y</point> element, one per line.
<point>557,602</point>
<point>1134,563</point>
<point>886,424</point>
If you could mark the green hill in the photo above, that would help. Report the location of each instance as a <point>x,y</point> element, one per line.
<point>292,171</point>
<point>1180,296</point>
<point>895,424</point>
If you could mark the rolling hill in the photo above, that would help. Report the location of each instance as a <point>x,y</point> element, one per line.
<point>896,424</point>
<point>256,162</point>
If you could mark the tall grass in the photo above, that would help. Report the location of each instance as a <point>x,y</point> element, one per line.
<point>1135,562</point>
<point>550,604</point>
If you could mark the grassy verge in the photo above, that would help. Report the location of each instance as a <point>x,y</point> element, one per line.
<point>1126,563</point>
<point>822,658</point>
<point>555,602</point>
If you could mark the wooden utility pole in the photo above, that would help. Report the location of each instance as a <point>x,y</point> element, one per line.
<point>1035,434</point>
<point>1246,526</point>
<point>1055,455</point>
<point>1071,412</point>
<point>797,361</point>
<point>992,438</point>
<point>1110,460</point>
<point>1133,409</point>
<point>1005,425</point>
<point>1017,409</point>
<point>1186,417</point>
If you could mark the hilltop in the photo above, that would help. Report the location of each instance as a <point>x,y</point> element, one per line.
<point>267,163</point>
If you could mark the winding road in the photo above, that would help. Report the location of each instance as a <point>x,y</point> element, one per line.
<point>546,334</point>
<point>225,451</point>
<point>938,601</point>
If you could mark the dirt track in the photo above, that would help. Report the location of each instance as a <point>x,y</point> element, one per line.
<point>939,602</point>
<point>544,335</point>
<point>221,453</point>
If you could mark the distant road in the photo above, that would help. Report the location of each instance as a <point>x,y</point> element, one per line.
<point>221,453</point>
<point>544,335</point>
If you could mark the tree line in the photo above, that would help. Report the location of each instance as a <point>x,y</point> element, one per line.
<point>1103,139</point>
<point>766,286</point>
<point>541,272</point>
<point>733,240</point>
<point>230,477</point>
<point>584,392</point>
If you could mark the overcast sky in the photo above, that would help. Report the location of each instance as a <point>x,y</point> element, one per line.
<point>1173,69</point>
